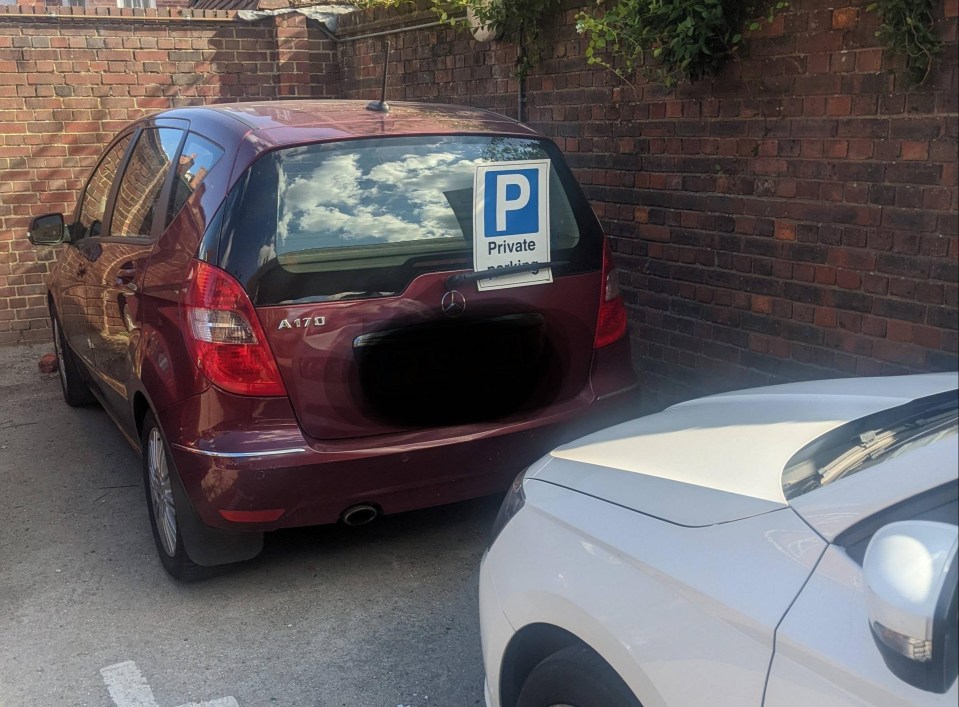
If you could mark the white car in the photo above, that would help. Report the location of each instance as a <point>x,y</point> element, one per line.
<point>786,546</point>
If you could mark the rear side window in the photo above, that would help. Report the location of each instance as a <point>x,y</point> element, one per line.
<point>94,204</point>
<point>142,183</point>
<point>196,160</point>
<point>362,218</point>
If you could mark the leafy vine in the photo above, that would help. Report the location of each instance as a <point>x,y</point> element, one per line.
<point>669,40</point>
<point>907,29</point>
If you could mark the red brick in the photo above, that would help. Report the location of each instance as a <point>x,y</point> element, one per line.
<point>849,321</point>
<point>869,60</point>
<point>926,336</point>
<point>898,331</point>
<point>839,105</point>
<point>873,326</point>
<point>915,150</point>
<point>817,64</point>
<point>780,348</point>
<point>848,279</point>
<point>860,149</point>
<point>785,231</point>
<point>845,18</point>
<point>758,343</point>
<point>825,317</point>
<point>852,258</point>
<point>826,275</point>
<point>835,149</point>
<point>761,304</point>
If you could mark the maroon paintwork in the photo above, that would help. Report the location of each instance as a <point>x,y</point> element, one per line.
<point>344,460</point>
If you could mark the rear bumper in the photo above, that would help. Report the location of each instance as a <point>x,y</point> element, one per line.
<point>272,466</point>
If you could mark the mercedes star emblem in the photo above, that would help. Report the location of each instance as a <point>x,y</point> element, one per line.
<point>453,304</point>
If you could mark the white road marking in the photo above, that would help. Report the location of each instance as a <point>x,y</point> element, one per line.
<point>128,688</point>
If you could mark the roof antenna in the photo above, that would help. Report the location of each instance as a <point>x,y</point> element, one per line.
<point>381,106</point>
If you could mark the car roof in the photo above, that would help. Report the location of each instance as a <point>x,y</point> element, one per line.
<point>289,122</point>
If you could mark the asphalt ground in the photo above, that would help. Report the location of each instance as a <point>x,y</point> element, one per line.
<point>378,616</point>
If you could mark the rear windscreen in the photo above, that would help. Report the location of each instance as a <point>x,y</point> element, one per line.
<point>362,218</point>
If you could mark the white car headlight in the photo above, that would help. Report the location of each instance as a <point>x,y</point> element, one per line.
<point>515,499</point>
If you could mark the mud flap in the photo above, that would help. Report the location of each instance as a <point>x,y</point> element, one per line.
<point>208,546</point>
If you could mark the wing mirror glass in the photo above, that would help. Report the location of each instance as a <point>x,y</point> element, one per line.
<point>910,572</point>
<point>48,229</point>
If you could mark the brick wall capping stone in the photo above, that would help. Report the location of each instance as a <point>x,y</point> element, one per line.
<point>326,15</point>
<point>176,14</point>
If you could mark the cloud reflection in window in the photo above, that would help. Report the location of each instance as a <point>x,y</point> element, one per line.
<point>339,199</point>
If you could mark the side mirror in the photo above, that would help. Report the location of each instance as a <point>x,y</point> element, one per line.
<point>910,571</point>
<point>48,229</point>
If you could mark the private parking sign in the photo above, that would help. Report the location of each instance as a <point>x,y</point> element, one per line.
<point>511,221</point>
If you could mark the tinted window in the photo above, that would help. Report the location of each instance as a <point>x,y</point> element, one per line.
<point>142,183</point>
<point>363,218</point>
<point>197,158</point>
<point>95,197</point>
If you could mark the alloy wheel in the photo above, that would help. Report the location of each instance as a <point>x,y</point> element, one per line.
<point>58,347</point>
<point>161,492</point>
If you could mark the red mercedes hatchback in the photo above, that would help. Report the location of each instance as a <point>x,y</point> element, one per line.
<point>305,312</point>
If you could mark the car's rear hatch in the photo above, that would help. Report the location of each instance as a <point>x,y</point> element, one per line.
<point>353,253</point>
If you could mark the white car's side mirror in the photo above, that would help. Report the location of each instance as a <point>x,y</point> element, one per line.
<point>910,571</point>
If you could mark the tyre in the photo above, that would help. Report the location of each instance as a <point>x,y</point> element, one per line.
<point>75,391</point>
<point>158,481</point>
<point>575,677</point>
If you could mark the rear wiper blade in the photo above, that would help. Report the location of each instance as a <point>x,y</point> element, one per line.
<point>454,281</point>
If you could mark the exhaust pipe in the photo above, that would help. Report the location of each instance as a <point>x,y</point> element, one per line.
<point>360,514</point>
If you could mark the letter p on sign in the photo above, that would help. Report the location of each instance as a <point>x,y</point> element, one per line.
<point>503,201</point>
<point>512,202</point>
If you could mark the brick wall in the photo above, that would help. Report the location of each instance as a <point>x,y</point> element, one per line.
<point>68,83</point>
<point>796,217</point>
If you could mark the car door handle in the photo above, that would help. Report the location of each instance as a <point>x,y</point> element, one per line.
<point>126,274</point>
<point>91,250</point>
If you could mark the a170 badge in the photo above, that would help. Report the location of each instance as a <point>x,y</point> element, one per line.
<point>302,323</point>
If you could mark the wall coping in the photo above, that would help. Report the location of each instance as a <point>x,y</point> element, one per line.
<point>118,13</point>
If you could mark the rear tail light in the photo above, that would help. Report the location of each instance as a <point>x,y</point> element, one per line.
<point>611,324</point>
<point>224,335</point>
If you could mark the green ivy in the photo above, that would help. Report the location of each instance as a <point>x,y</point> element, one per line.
<point>669,40</point>
<point>907,29</point>
<point>518,21</point>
